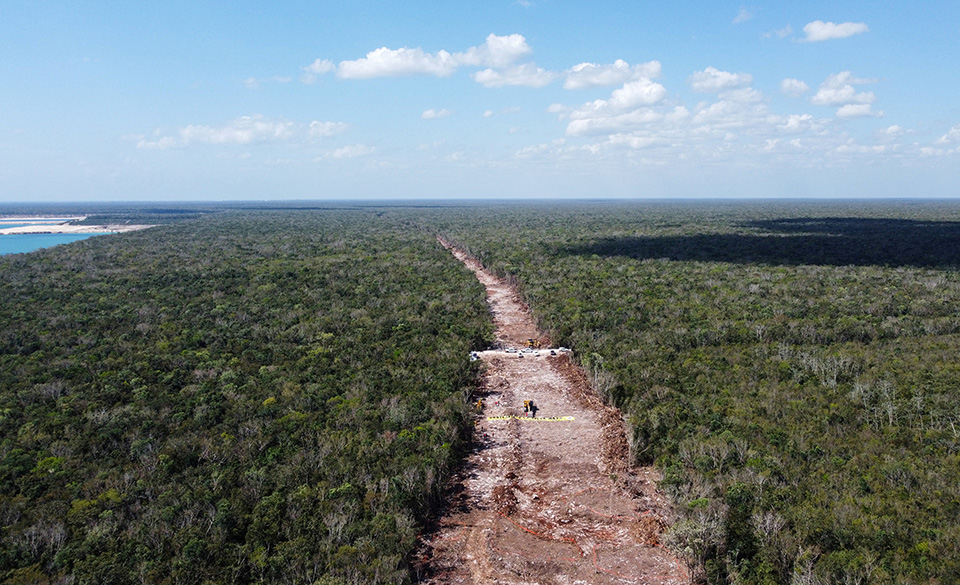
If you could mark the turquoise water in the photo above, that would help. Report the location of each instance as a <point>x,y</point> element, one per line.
<point>20,243</point>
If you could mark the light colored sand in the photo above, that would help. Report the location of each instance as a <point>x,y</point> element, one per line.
<point>39,218</point>
<point>40,226</point>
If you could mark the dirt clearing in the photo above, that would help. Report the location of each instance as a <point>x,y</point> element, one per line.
<point>546,497</point>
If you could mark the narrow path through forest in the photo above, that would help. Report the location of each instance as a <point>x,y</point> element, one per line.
<point>547,499</point>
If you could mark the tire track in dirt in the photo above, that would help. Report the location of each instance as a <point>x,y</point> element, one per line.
<point>539,500</point>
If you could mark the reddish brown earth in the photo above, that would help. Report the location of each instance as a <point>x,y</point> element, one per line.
<point>541,500</point>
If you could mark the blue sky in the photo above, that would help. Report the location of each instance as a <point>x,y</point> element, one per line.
<point>519,99</point>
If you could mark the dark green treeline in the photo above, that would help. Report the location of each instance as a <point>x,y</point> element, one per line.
<point>248,397</point>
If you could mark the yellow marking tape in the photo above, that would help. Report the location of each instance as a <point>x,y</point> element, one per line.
<point>542,418</point>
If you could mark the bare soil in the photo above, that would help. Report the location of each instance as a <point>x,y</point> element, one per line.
<point>550,498</point>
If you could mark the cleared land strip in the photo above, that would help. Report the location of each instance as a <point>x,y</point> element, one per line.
<point>546,503</point>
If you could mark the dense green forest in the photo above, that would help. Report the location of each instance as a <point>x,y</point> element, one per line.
<point>792,369</point>
<point>245,397</point>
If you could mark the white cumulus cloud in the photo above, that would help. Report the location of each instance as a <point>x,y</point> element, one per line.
<point>743,16</point>
<point>245,130</point>
<point>891,134</point>
<point>628,106</point>
<point>632,141</point>
<point>793,87</point>
<point>714,80</point>
<point>527,75</point>
<point>587,75</point>
<point>432,113</point>
<point>797,122</point>
<point>254,83</point>
<point>744,95</point>
<point>352,151</point>
<point>315,69</point>
<point>326,129</point>
<point>825,31</point>
<point>678,114</point>
<point>642,92</point>
<point>495,52</point>
<point>853,148</point>
<point>608,124</point>
<point>779,33</point>
<point>838,90</point>
<point>856,111</point>
<point>384,62</point>
<point>161,143</point>
<point>952,135</point>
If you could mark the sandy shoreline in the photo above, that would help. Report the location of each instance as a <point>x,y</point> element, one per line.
<point>40,218</point>
<point>41,225</point>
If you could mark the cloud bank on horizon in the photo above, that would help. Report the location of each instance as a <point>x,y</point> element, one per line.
<point>503,109</point>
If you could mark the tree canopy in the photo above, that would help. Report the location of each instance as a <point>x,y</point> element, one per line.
<point>248,397</point>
